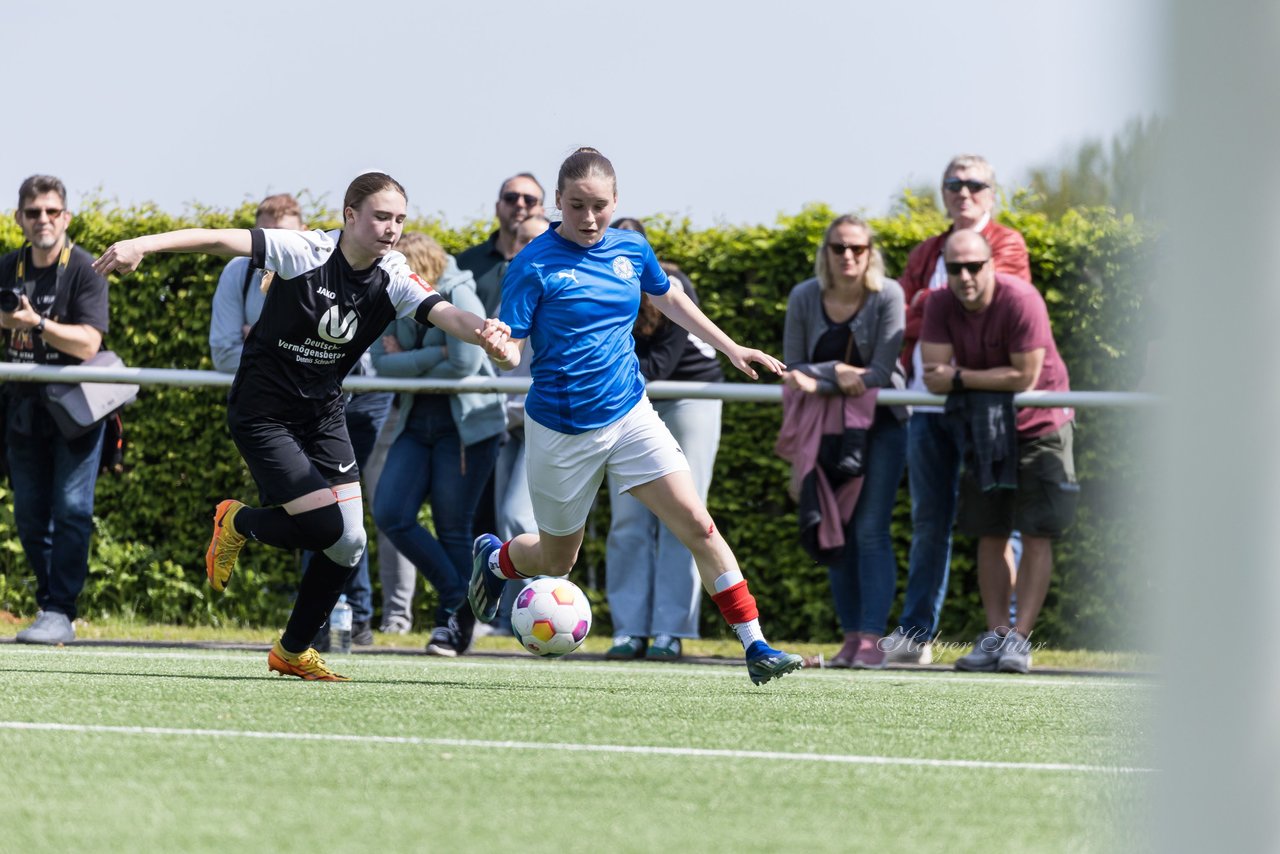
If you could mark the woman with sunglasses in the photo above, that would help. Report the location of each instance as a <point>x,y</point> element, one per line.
<point>843,335</point>
<point>574,293</point>
<point>334,295</point>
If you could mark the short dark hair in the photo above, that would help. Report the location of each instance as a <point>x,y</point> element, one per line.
<point>630,223</point>
<point>38,185</point>
<point>503,186</point>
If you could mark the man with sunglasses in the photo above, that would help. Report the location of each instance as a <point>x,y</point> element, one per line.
<point>519,198</point>
<point>934,452</point>
<point>989,332</point>
<point>53,311</point>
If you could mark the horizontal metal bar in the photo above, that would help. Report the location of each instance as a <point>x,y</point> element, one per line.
<point>661,390</point>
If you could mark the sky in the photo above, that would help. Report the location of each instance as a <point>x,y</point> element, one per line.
<point>724,112</point>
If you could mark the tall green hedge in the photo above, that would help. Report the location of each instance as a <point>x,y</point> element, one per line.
<point>153,522</point>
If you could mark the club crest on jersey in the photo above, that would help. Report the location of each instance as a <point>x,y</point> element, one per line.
<point>335,328</point>
<point>622,268</point>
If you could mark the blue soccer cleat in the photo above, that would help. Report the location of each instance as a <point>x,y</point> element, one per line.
<point>765,663</point>
<point>485,590</point>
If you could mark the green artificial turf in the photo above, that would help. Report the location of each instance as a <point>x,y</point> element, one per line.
<point>517,754</point>
<point>945,652</point>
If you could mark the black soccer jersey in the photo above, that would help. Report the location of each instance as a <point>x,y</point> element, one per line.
<point>319,317</point>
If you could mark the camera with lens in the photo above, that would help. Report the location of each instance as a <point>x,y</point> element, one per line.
<point>10,298</point>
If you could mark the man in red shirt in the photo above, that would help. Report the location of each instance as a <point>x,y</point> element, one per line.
<point>990,332</point>
<point>933,450</point>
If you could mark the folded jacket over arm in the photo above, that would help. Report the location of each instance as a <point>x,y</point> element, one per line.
<point>824,437</point>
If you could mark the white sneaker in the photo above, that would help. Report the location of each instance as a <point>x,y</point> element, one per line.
<point>1015,654</point>
<point>985,655</point>
<point>901,648</point>
<point>50,627</point>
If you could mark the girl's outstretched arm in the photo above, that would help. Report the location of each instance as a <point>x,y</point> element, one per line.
<point>676,305</point>
<point>124,256</point>
<point>490,333</point>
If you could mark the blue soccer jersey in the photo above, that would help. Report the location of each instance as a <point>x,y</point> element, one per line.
<point>577,306</point>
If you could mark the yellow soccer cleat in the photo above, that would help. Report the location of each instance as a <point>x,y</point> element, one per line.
<point>224,547</point>
<point>305,665</point>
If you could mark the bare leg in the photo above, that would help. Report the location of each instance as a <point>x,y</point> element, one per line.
<point>311,501</point>
<point>995,582</point>
<point>1033,580</point>
<point>545,554</point>
<point>673,498</point>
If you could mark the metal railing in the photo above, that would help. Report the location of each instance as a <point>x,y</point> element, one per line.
<point>759,392</point>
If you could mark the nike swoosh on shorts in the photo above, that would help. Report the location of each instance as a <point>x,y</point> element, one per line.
<point>347,467</point>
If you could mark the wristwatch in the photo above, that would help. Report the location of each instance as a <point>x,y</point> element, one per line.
<point>38,329</point>
<point>957,384</point>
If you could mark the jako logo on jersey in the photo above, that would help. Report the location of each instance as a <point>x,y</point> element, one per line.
<point>568,274</point>
<point>335,328</point>
<point>622,268</point>
<point>325,292</point>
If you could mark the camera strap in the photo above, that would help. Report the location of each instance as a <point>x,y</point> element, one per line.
<point>64,257</point>
<point>60,298</point>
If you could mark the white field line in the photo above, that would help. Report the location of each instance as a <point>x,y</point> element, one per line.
<point>636,668</point>
<point>841,759</point>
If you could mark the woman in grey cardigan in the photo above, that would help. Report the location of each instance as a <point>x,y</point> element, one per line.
<point>444,446</point>
<point>843,335</point>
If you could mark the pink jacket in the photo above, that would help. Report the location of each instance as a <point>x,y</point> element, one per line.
<point>806,418</point>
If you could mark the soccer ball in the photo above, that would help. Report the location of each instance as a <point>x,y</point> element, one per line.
<point>551,616</point>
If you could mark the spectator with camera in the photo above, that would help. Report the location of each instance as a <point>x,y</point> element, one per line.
<point>53,311</point>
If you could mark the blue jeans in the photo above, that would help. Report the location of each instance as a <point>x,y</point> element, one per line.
<point>428,462</point>
<point>366,413</point>
<point>513,508</point>
<point>935,450</point>
<point>864,576</point>
<point>513,511</point>
<point>53,481</point>
<point>650,577</point>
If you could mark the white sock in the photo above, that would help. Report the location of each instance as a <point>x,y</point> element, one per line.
<point>495,565</point>
<point>724,582</point>
<point>748,632</point>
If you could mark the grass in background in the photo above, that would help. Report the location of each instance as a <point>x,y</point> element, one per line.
<point>238,781</point>
<point>121,629</point>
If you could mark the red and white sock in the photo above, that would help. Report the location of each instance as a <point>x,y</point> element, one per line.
<point>501,565</point>
<point>738,607</point>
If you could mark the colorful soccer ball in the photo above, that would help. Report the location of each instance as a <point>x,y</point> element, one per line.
<point>551,616</point>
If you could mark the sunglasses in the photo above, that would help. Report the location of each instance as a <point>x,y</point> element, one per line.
<point>955,185</point>
<point>33,214</point>
<point>954,267</point>
<point>530,200</point>
<point>858,250</point>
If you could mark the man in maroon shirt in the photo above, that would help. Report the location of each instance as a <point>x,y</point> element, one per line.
<point>933,449</point>
<point>990,332</point>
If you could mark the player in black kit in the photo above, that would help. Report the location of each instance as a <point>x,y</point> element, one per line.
<point>334,294</point>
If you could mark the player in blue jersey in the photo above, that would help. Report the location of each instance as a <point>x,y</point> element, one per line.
<point>334,294</point>
<point>574,293</point>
